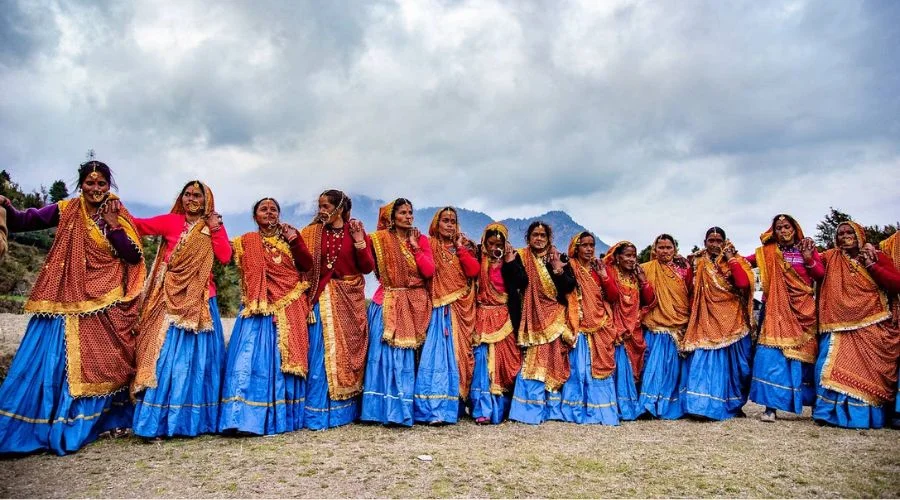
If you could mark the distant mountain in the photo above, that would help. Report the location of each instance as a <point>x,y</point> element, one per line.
<point>366,209</point>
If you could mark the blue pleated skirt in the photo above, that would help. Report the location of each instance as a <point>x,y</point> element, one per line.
<point>36,410</point>
<point>321,411</point>
<point>437,379</point>
<point>186,399</point>
<point>390,377</point>
<point>839,409</point>
<point>257,397</point>
<point>661,381</point>
<point>781,383</point>
<point>715,382</point>
<point>585,399</point>
<point>484,404</point>
<point>626,390</point>
<point>533,404</point>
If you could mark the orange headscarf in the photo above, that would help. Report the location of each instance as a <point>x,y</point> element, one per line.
<point>590,313</point>
<point>864,343</point>
<point>449,285</point>
<point>407,304</point>
<point>97,293</point>
<point>673,307</point>
<point>177,292</point>
<point>790,321</point>
<point>626,313</point>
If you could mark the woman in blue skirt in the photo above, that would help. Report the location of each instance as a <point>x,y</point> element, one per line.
<point>398,315</point>
<point>716,372</point>
<point>264,391</point>
<point>180,346</point>
<point>445,368</point>
<point>67,381</point>
<point>498,358</point>
<point>338,336</point>
<point>664,325</point>
<point>589,395</point>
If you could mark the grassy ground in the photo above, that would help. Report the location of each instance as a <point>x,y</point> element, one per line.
<point>739,458</point>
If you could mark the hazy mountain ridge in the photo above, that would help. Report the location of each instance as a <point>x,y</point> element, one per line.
<point>366,208</point>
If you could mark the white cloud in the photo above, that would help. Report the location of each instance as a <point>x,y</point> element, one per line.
<point>636,117</point>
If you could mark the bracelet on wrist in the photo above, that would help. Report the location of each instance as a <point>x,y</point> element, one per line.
<point>359,245</point>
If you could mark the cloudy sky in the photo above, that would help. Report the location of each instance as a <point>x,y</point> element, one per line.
<point>635,117</point>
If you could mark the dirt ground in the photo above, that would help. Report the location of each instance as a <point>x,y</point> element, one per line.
<point>739,458</point>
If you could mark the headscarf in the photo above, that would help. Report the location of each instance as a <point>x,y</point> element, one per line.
<point>769,235</point>
<point>384,216</point>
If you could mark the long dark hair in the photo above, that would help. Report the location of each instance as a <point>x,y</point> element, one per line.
<point>258,203</point>
<point>717,230</point>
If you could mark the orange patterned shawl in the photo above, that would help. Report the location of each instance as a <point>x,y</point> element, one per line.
<point>271,286</point>
<point>626,313</point>
<point>345,328</point>
<point>449,286</point>
<point>176,294</point>
<point>407,305</point>
<point>493,326</point>
<point>673,307</point>
<point>864,344</point>
<point>790,321</point>
<point>590,313</point>
<point>97,292</point>
<point>544,327</point>
<point>720,313</point>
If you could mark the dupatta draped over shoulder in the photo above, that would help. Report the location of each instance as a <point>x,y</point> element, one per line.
<point>97,293</point>
<point>493,324</point>
<point>790,322</point>
<point>721,314</point>
<point>626,313</point>
<point>271,286</point>
<point>543,322</point>
<point>589,313</point>
<point>345,330</point>
<point>407,304</point>
<point>450,286</point>
<point>177,292</point>
<point>865,343</point>
<point>673,307</point>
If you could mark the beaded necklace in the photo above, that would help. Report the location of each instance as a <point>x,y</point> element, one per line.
<point>332,247</point>
<point>270,242</point>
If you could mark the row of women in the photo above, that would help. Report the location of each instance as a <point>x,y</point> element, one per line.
<point>530,335</point>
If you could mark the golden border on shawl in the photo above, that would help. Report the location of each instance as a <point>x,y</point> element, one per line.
<point>590,342</point>
<point>378,248</point>
<point>326,315</point>
<point>853,325</point>
<point>452,296</point>
<point>283,328</point>
<point>829,383</point>
<point>553,331</point>
<point>547,284</point>
<point>727,341</point>
<point>81,308</point>
<point>496,388</point>
<point>497,336</point>
<point>77,387</point>
<point>262,307</point>
<point>528,367</point>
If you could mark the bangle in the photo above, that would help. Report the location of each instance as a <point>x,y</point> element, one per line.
<point>359,245</point>
<point>558,271</point>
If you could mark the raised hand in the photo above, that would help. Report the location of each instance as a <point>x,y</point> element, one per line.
<point>728,250</point>
<point>214,221</point>
<point>414,234</point>
<point>110,213</point>
<point>640,274</point>
<point>869,254</point>
<point>357,231</point>
<point>807,246</point>
<point>600,267</point>
<point>289,232</point>
<point>509,253</point>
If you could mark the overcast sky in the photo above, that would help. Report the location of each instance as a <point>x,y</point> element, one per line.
<point>635,117</point>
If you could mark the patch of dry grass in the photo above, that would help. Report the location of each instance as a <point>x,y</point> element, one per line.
<point>739,458</point>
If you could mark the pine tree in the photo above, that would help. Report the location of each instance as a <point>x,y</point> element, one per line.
<point>58,191</point>
<point>827,229</point>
